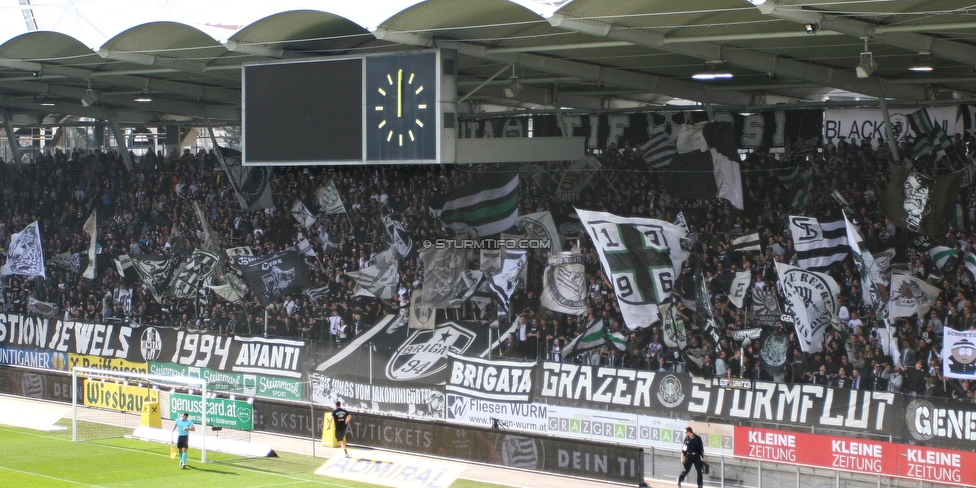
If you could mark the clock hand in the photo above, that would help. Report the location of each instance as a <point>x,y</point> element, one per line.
<point>399,93</point>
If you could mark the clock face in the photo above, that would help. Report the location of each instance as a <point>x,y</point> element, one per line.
<point>401,107</point>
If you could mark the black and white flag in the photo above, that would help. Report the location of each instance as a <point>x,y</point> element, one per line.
<point>921,203</point>
<point>302,214</point>
<point>773,352</point>
<point>706,165</point>
<point>25,255</point>
<point>641,257</point>
<point>746,243</point>
<point>576,177</point>
<point>123,264</point>
<point>502,285</point>
<point>44,309</point>
<point>233,291</point>
<point>910,296</point>
<point>475,289</point>
<point>320,294</point>
<point>541,227</point>
<point>381,279</point>
<point>396,232</point>
<point>191,278</point>
<point>564,284</point>
<point>818,244</point>
<point>765,306</point>
<point>155,272</point>
<point>674,333</point>
<point>812,298</point>
<point>704,307</point>
<point>328,199</point>
<point>69,261</point>
<point>422,315</point>
<point>739,288</point>
<point>252,184</point>
<point>177,244</point>
<point>210,240</point>
<point>658,150</point>
<point>864,262</point>
<point>272,276</point>
<point>91,228</point>
<point>442,275</point>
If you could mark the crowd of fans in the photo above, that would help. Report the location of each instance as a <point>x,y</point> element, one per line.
<point>139,210</point>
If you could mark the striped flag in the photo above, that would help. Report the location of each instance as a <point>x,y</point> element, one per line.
<point>658,150</point>
<point>971,264</point>
<point>596,335</point>
<point>919,121</point>
<point>941,255</point>
<point>488,205</point>
<point>803,149</point>
<point>818,244</point>
<point>746,243</point>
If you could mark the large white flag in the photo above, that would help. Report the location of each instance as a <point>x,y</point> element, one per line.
<point>91,228</point>
<point>641,257</point>
<point>25,256</point>
<point>910,296</point>
<point>564,284</point>
<point>812,297</point>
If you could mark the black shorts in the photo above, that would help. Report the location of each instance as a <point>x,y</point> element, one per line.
<point>183,442</point>
<point>340,433</point>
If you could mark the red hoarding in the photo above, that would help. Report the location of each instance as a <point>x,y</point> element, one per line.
<point>856,455</point>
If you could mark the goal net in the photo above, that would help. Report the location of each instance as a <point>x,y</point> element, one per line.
<point>114,404</point>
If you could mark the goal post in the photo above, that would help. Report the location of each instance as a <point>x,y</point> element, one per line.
<point>112,404</point>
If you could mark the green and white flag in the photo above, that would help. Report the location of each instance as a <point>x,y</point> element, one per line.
<point>593,338</point>
<point>941,255</point>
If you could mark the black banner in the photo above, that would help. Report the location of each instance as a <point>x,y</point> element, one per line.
<point>37,384</point>
<point>664,394</point>
<point>144,343</point>
<point>772,128</point>
<point>497,447</point>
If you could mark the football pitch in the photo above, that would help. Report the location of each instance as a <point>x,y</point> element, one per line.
<point>33,459</point>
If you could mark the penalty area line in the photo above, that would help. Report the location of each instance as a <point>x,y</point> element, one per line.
<point>48,477</point>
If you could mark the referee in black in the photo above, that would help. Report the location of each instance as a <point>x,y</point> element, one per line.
<point>692,452</point>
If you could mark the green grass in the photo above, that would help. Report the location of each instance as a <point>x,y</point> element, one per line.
<point>33,459</point>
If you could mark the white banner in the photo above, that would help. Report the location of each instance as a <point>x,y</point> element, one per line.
<point>529,417</point>
<point>959,354</point>
<point>858,124</point>
<point>636,430</point>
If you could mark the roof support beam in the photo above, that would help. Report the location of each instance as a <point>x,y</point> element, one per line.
<point>890,35</point>
<point>589,72</point>
<point>113,122</point>
<point>177,88</point>
<point>754,60</point>
<point>149,60</point>
<point>8,127</point>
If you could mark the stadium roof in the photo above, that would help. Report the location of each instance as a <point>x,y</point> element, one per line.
<point>581,55</point>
